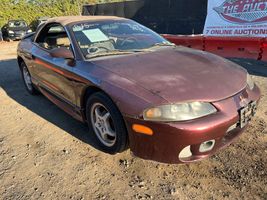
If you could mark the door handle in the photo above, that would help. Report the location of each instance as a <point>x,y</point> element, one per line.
<point>68,78</point>
<point>33,57</point>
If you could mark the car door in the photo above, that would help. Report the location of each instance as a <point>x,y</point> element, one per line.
<point>53,74</point>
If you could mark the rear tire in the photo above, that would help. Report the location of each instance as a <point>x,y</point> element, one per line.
<point>27,79</point>
<point>106,122</point>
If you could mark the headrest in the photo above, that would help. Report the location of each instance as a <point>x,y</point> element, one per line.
<point>63,41</point>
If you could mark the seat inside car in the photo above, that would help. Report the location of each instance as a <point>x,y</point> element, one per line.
<point>63,42</point>
<point>56,42</point>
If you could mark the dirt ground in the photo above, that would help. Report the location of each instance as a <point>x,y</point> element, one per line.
<point>46,154</point>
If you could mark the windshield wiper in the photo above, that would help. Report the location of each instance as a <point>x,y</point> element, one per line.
<point>163,44</point>
<point>115,52</point>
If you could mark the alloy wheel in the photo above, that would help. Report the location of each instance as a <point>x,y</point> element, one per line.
<point>27,77</point>
<point>103,124</point>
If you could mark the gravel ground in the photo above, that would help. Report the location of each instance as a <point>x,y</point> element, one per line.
<point>45,154</point>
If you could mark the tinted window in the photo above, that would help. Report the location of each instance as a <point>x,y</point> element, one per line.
<point>19,24</point>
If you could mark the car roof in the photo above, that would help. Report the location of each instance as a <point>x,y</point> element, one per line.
<point>73,19</point>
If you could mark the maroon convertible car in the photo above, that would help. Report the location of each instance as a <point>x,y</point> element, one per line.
<point>135,89</point>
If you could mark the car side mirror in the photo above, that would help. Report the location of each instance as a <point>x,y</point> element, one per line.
<point>62,52</point>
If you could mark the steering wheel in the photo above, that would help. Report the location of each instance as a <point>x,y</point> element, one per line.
<point>128,39</point>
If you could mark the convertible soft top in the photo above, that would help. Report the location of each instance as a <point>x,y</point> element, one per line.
<point>72,19</point>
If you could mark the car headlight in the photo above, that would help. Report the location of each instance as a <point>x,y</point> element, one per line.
<point>29,31</point>
<point>11,32</point>
<point>179,112</point>
<point>250,82</point>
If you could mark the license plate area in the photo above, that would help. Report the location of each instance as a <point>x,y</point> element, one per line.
<point>247,113</point>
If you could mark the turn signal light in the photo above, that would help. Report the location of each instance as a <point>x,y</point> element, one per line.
<point>142,129</point>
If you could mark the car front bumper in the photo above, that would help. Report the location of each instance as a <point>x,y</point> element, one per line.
<point>170,141</point>
<point>16,36</point>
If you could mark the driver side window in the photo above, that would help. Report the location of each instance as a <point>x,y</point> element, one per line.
<point>53,36</point>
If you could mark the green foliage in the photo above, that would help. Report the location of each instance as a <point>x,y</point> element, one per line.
<point>30,10</point>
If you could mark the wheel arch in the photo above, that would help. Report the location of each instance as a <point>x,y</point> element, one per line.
<point>89,91</point>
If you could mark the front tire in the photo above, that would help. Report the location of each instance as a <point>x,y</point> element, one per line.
<point>27,79</point>
<point>106,122</point>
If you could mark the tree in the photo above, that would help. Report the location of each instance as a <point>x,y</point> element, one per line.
<point>30,10</point>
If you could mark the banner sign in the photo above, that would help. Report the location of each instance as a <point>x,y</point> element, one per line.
<point>236,18</point>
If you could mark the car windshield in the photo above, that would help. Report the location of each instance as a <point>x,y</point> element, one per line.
<point>115,37</point>
<point>20,24</point>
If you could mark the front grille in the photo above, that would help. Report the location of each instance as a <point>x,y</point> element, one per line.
<point>20,33</point>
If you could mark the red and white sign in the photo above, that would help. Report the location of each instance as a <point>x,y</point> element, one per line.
<point>236,18</point>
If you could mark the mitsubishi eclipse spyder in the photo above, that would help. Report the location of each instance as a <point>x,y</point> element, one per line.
<point>137,90</point>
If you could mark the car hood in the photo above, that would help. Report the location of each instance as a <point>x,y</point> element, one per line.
<point>179,74</point>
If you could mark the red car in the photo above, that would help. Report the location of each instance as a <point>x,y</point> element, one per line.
<point>135,89</point>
